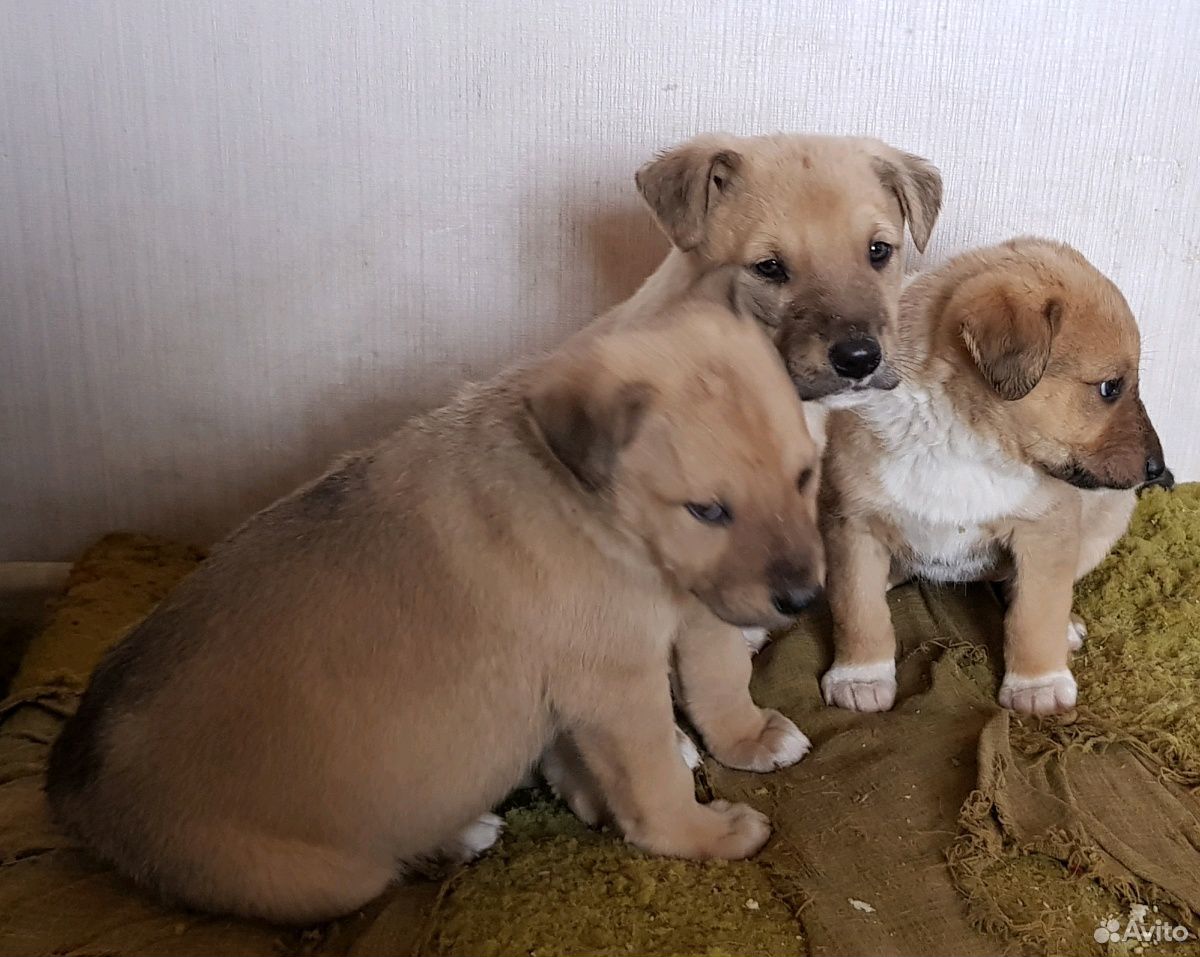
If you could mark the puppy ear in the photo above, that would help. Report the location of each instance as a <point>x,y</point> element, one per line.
<point>682,185</point>
<point>1008,333</point>
<point>586,418</point>
<point>918,187</point>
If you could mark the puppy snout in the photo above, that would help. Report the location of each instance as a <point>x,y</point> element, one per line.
<point>1157,472</point>
<point>855,358</point>
<point>792,588</point>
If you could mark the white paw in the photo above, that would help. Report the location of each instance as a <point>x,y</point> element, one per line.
<point>787,741</point>
<point>1050,693</point>
<point>477,837</point>
<point>687,749</point>
<point>779,744</point>
<point>1076,632</point>
<point>756,638</point>
<point>861,687</point>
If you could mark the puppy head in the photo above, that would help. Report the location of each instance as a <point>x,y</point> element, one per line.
<point>1055,340</point>
<point>815,225</point>
<point>691,439</point>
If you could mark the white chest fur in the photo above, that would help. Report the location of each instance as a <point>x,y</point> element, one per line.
<point>942,482</point>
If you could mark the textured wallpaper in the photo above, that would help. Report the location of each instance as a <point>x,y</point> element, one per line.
<point>238,236</point>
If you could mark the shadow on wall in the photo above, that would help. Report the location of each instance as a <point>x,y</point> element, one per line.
<point>627,246</point>
<point>624,246</point>
<point>340,420</point>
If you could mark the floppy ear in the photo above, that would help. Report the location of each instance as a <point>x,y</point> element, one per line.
<point>1008,333</point>
<point>918,187</point>
<point>586,418</point>
<point>682,185</point>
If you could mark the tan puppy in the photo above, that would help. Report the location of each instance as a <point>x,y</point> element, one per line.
<point>364,669</point>
<point>813,226</point>
<point>803,233</point>
<point>1011,449</point>
<point>808,229</point>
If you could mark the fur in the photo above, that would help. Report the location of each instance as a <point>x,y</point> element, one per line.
<point>350,683</point>
<point>996,458</point>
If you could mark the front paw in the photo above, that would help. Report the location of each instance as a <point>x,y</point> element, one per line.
<point>718,830</point>
<point>1051,693</point>
<point>741,831</point>
<point>861,687</point>
<point>779,744</point>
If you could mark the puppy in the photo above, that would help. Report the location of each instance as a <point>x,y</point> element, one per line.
<point>1010,450</point>
<point>812,226</point>
<point>808,229</point>
<point>803,233</point>
<point>354,678</point>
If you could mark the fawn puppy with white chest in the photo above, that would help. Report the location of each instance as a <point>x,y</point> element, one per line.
<point>1009,451</point>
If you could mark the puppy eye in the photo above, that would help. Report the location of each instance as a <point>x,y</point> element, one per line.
<point>710,513</point>
<point>1110,389</point>
<point>879,253</point>
<point>804,479</point>
<point>771,270</point>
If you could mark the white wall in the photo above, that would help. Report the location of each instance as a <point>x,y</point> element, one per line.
<point>237,236</point>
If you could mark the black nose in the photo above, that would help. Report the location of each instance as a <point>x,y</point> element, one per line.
<point>792,601</point>
<point>1157,472</point>
<point>855,358</point>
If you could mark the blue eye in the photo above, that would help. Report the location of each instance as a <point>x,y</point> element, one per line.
<point>710,513</point>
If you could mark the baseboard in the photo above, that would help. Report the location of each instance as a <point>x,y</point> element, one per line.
<point>22,577</point>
